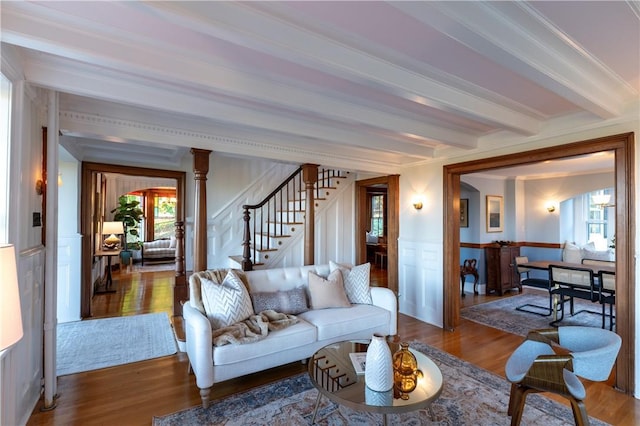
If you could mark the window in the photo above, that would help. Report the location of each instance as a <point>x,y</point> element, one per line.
<point>164,216</point>
<point>377,215</point>
<point>5,143</point>
<point>599,224</point>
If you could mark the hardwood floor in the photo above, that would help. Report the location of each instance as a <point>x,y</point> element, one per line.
<point>132,394</point>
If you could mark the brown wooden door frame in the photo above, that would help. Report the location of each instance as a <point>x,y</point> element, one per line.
<point>623,146</point>
<point>86,208</point>
<point>393,223</point>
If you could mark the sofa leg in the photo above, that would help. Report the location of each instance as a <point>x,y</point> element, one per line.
<point>204,395</point>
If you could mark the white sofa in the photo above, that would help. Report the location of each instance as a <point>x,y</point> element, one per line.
<point>164,249</point>
<point>316,328</point>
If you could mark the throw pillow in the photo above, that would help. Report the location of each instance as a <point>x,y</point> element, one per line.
<point>226,303</point>
<point>356,281</point>
<point>327,292</point>
<point>571,253</point>
<point>290,302</point>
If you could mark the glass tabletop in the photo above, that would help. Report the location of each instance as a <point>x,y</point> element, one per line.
<point>333,373</point>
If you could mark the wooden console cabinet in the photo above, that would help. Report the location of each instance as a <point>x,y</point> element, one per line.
<point>502,273</point>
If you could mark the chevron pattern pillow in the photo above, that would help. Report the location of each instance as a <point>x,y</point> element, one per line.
<point>356,281</point>
<point>226,303</point>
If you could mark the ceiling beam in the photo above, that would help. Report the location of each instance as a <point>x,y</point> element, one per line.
<point>242,24</point>
<point>518,37</point>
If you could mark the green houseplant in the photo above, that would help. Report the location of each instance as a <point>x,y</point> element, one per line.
<point>130,214</point>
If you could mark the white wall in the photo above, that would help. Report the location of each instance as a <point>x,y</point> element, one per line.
<point>21,366</point>
<point>69,240</point>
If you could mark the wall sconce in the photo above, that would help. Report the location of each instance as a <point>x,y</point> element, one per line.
<point>417,203</point>
<point>39,186</point>
<point>59,179</point>
<point>551,207</point>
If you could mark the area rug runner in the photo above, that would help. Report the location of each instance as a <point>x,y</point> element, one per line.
<point>106,342</point>
<point>502,314</point>
<point>471,396</point>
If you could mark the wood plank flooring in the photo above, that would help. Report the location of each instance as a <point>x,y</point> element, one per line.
<point>132,394</point>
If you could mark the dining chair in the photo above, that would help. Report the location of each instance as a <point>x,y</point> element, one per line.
<point>554,360</point>
<point>468,267</point>
<point>569,283</point>
<point>541,283</point>
<point>607,295</point>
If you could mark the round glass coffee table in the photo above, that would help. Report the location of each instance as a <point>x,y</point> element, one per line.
<point>333,373</point>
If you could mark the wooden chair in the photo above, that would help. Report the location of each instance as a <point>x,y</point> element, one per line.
<point>469,268</point>
<point>533,282</point>
<point>553,360</point>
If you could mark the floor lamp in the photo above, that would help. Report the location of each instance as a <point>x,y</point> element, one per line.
<point>10,316</point>
<point>10,319</point>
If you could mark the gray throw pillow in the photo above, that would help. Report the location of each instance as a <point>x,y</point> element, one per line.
<point>290,302</point>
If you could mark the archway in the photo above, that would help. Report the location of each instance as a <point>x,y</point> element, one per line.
<point>89,170</point>
<point>623,146</point>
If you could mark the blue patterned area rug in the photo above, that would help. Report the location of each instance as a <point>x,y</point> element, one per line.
<point>471,396</point>
<point>502,314</point>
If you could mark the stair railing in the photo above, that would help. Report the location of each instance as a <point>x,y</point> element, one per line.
<point>284,201</point>
<point>269,215</point>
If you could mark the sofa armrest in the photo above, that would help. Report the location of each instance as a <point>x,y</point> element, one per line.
<point>385,298</point>
<point>199,345</point>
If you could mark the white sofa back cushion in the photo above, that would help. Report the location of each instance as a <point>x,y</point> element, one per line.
<point>283,278</point>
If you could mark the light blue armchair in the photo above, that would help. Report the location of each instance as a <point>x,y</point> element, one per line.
<point>552,360</point>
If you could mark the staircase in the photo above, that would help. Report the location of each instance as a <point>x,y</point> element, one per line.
<point>274,225</point>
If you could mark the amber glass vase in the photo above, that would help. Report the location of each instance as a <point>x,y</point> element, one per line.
<point>405,371</point>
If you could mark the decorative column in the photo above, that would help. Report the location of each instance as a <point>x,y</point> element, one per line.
<point>200,170</point>
<point>310,177</point>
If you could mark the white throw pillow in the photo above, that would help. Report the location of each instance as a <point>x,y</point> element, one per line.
<point>356,281</point>
<point>226,303</point>
<point>571,253</point>
<point>327,292</point>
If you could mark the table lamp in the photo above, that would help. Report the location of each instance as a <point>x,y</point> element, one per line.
<point>111,229</point>
<point>10,316</point>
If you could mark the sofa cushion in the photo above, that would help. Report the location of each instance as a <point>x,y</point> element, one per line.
<point>356,281</point>
<point>226,303</point>
<point>279,341</point>
<point>333,323</point>
<point>327,292</point>
<point>571,253</point>
<point>287,302</point>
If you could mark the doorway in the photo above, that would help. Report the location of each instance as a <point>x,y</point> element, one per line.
<point>623,146</point>
<point>87,219</point>
<point>392,228</point>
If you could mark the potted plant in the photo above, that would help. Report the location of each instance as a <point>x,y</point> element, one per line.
<point>130,214</point>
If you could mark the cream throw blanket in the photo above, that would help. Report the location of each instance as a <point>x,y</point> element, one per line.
<point>254,328</point>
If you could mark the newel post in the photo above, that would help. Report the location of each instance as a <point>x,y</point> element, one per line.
<point>181,291</point>
<point>310,177</point>
<point>247,264</point>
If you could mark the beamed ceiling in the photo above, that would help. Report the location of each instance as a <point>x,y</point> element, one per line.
<point>370,86</point>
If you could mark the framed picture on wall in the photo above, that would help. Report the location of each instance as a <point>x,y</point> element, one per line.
<point>464,212</point>
<point>495,213</point>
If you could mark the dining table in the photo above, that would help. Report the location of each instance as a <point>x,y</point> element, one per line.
<point>544,266</point>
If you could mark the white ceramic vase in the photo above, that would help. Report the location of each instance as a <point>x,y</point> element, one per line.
<point>378,373</point>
